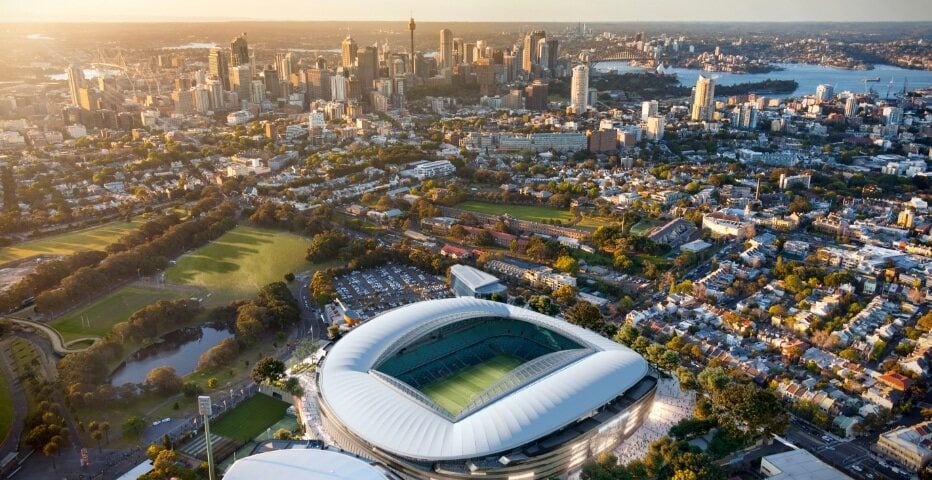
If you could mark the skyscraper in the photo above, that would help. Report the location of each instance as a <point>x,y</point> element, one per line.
<point>824,93</point>
<point>579,90</point>
<point>218,67</point>
<point>543,54</point>
<point>367,69</point>
<point>530,58</point>
<point>75,82</point>
<point>411,27</point>
<point>239,54</point>
<point>446,49</point>
<point>536,95</point>
<point>349,50</point>
<point>703,96</point>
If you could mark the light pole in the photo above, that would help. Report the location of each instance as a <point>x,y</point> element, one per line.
<point>205,408</point>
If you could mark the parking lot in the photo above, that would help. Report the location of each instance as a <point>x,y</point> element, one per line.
<point>372,291</point>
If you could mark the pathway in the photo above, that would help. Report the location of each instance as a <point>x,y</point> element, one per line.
<point>20,404</point>
<point>59,344</point>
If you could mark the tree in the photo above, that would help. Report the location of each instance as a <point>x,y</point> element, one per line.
<point>268,370</point>
<point>164,379</point>
<point>542,304</point>
<point>97,435</point>
<point>282,434</point>
<point>249,322</point>
<point>133,427</point>
<point>564,294</point>
<point>105,427</point>
<point>566,264</point>
<point>713,379</point>
<point>333,331</point>
<point>586,315</point>
<point>212,383</point>
<point>50,450</point>
<point>289,277</point>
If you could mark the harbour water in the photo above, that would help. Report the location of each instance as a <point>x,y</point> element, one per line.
<point>807,76</point>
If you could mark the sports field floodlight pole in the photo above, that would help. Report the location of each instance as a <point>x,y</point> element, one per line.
<point>205,408</point>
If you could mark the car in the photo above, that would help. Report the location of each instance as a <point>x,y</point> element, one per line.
<point>857,468</point>
<point>826,438</point>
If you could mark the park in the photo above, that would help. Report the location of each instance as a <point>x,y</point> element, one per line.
<point>93,238</point>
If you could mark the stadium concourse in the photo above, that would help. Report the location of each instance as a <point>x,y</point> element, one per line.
<point>459,388</point>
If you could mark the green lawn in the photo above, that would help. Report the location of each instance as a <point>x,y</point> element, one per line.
<point>94,238</point>
<point>592,223</point>
<point>532,213</point>
<point>453,393</point>
<point>250,418</point>
<point>112,309</point>
<point>6,407</point>
<point>239,263</point>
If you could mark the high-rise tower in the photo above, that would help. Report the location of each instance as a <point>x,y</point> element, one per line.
<point>349,50</point>
<point>75,82</point>
<point>217,66</point>
<point>446,49</point>
<point>411,26</point>
<point>531,52</point>
<point>703,97</point>
<point>240,51</point>
<point>579,90</point>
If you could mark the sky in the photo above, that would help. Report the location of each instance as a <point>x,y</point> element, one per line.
<point>465,10</point>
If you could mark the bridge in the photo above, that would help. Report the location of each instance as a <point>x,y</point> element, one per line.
<point>620,55</point>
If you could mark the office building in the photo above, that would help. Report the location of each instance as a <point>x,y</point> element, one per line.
<point>648,109</point>
<point>257,91</point>
<point>348,49</point>
<point>218,67</point>
<point>446,49</point>
<point>367,69</point>
<point>272,83</point>
<point>240,81</point>
<point>893,115</point>
<point>579,89</point>
<point>703,99</point>
<point>543,55</point>
<point>824,93</point>
<point>530,51</point>
<point>536,95</point>
<point>75,82</point>
<point>239,51</point>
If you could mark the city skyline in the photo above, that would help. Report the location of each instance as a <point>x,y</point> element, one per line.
<point>603,11</point>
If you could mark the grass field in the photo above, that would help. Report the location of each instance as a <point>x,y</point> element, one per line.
<point>94,238</point>
<point>532,213</point>
<point>239,263</point>
<point>250,418</point>
<point>592,223</point>
<point>453,393</point>
<point>112,309</point>
<point>6,407</point>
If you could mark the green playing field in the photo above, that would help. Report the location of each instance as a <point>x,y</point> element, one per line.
<point>453,393</point>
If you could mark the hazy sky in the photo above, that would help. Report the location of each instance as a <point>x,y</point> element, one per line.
<point>467,10</point>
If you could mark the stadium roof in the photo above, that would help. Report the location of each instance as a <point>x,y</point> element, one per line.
<point>472,277</point>
<point>304,464</point>
<point>390,419</point>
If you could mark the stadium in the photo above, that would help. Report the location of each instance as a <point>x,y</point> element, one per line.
<point>465,388</point>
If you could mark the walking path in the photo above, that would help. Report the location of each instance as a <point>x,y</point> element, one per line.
<point>20,404</point>
<point>59,344</point>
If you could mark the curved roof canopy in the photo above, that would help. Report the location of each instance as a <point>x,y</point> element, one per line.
<point>392,420</point>
<point>303,464</point>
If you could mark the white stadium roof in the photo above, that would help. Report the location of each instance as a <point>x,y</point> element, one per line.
<point>389,419</point>
<point>303,464</point>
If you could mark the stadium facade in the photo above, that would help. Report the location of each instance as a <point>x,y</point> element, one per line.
<point>465,388</point>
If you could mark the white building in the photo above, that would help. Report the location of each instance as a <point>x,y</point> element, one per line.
<point>648,109</point>
<point>579,91</point>
<point>655,126</point>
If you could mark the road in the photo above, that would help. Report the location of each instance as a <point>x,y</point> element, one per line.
<point>845,455</point>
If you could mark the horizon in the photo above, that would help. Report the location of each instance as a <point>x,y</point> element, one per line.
<point>478,11</point>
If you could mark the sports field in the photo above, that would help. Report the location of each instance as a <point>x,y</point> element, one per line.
<point>531,213</point>
<point>453,393</point>
<point>239,263</point>
<point>250,418</point>
<point>96,319</point>
<point>94,238</point>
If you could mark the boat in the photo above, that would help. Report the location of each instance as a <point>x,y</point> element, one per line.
<point>872,80</point>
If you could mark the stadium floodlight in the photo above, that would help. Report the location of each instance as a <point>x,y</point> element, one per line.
<point>205,407</point>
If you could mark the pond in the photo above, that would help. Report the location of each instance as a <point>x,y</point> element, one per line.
<point>180,349</point>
